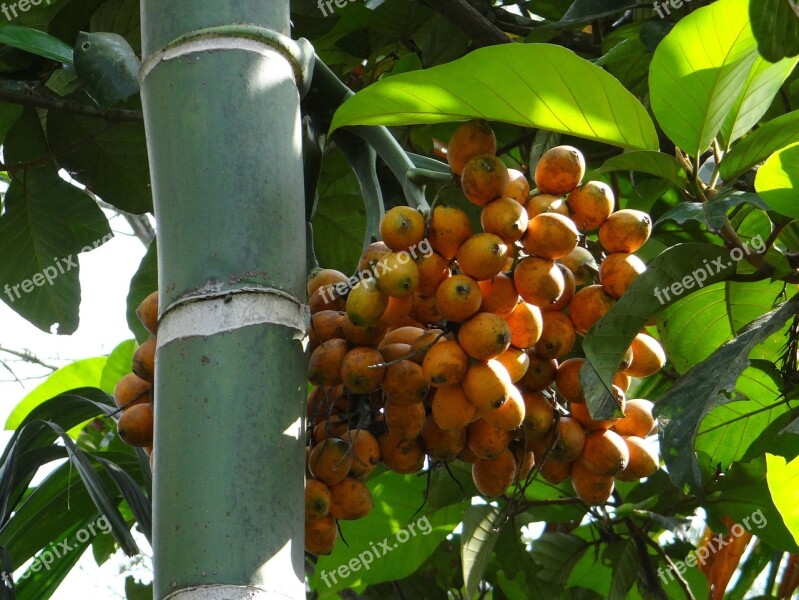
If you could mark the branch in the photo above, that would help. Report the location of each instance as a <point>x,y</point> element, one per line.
<point>31,98</point>
<point>481,31</point>
<point>28,356</point>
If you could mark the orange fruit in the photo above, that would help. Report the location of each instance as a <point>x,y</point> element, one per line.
<point>485,440</point>
<point>132,389</point>
<point>397,311</point>
<point>499,295</point>
<point>526,324</point>
<point>510,415</point>
<point>365,452</point>
<point>144,360</point>
<point>622,380</point>
<point>326,325</point>
<point>539,416</point>
<point>422,345</point>
<point>449,228</point>
<point>568,292</point>
<point>589,304</point>
<point>540,374</point>
<point>425,309</point>
<point>567,379</point>
<point>618,271</point>
<point>591,488</point>
<point>638,420</point>
<point>326,278</point>
<point>557,336</point>
<point>327,298</point>
<point>401,456</point>
<point>326,400</point>
<point>458,298</point>
<point>445,364</point>
<point>518,187</point>
<point>582,265</point>
<point>546,203</point>
<point>362,370</point>
<point>555,472</point>
<point>625,231</point>
<point>397,275</point>
<point>515,361</point>
<point>452,410</point>
<point>566,440</point>
<point>317,500</point>
<point>559,170</point>
<point>482,256</point>
<point>580,412</point>
<point>366,303</point>
<point>135,426</point>
<point>405,383</point>
<point>147,312</point>
<point>487,385</point>
<point>363,336</point>
<point>371,255</point>
<point>550,235</point>
<point>604,453</point>
<point>539,281</point>
<point>648,356</point>
<point>590,205</point>
<point>493,476</point>
<point>320,535</point>
<point>470,139</point>
<point>407,334</point>
<point>505,218</point>
<point>643,460</point>
<point>484,178</point>
<point>433,269</point>
<point>525,461</point>
<point>405,420</point>
<point>484,336</point>
<point>330,460</point>
<point>333,426</point>
<point>351,500</point>
<point>442,444</point>
<point>324,366</point>
<point>402,227</point>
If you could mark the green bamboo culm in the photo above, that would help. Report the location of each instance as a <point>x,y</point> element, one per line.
<point>221,107</point>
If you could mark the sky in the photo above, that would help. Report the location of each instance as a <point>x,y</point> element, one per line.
<point>105,275</point>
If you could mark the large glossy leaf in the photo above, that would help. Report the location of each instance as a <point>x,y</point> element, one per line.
<point>760,144</point>
<point>143,283</point>
<point>117,365</point>
<point>776,27</point>
<point>695,394</point>
<point>556,554</point>
<point>778,179</point>
<point>698,71</point>
<point>533,85</point>
<point>35,42</point>
<point>655,163</point>
<point>783,481</point>
<point>480,533</point>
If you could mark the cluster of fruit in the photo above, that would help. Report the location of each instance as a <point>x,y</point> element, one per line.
<point>452,344</point>
<point>133,393</point>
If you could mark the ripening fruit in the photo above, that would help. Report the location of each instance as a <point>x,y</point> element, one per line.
<point>518,187</point>
<point>510,415</point>
<point>539,281</point>
<point>445,364</point>
<point>579,411</point>
<point>405,420</point>
<point>582,265</point>
<point>405,383</point>
<point>550,235</point>
<point>325,400</point>
<point>326,325</point>
<point>557,336</point>
<point>433,270</point>
<point>493,476</point>
<point>397,275</point>
<point>362,370</point>
<point>449,228</point>
<point>371,255</point>
<point>327,298</point>
<point>625,231</point>
<point>422,345</point>
<point>442,444</point>
<point>425,310</point>
<point>566,440</point>
<point>604,453</point>
<point>648,356</point>
<point>559,170</point>
<point>324,366</point>
<point>638,420</point>
<point>401,456</point>
<point>401,335</point>
<point>132,389</point>
<point>484,178</point>
<point>144,360</point>
<point>538,416</point>
<point>591,488</point>
<point>643,460</point>
<point>484,336</point>
<point>482,256</point>
<point>487,385</point>
<point>402,227</point>
<point>569,290</point>
<point>567,380</point>
<point>505,218</point>
<point>554,472</point>
<point>546,203</point>
<point>320,535</point>
<point>499,295</point>
<point>325,278</point>
<point>365,452</point>
<point>588,306</point>
<point>485,440</point>
<point>334,426</point>
<point>451,409</point>
<point>330,460</point>
<point>470,139</point>
<point>525,461</point>
<point>458,298</point>
<point>590,205</point>
<point>618,271</point>
<point>317,500</point>
<point>397,312</point>
<point>540,374</point>
<point>147,312</point>
<point>526,325</point>
<point>366,303</point>
<point>135,426</point>
<point>515,361</point>
<point>363,336</point>
<point>351,500</point>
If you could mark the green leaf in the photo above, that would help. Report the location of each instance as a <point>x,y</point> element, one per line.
<point>563,93</point>
<point>655,163</point>
<point>695,394</point>
<point>783,481</point>
<point>9,114</point>
<point>107,67</point>
<point>36,42</point>
<point>117,365</point>
<point>684,212</point>
<point>122,17</point>
<point>716,208</point>
<point>137,591</point>
<point>760,144</point>
<point>607,341</point>
<point>514,589</point>
<point>624,558</point>
<point>143,283</point>
<point>556,554</point>
<point>776,27</point>
<point>778,179</point>
<point>698,70</point>
<point>584,11</point>
<point>111,161</point>
<point>480,533</point>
